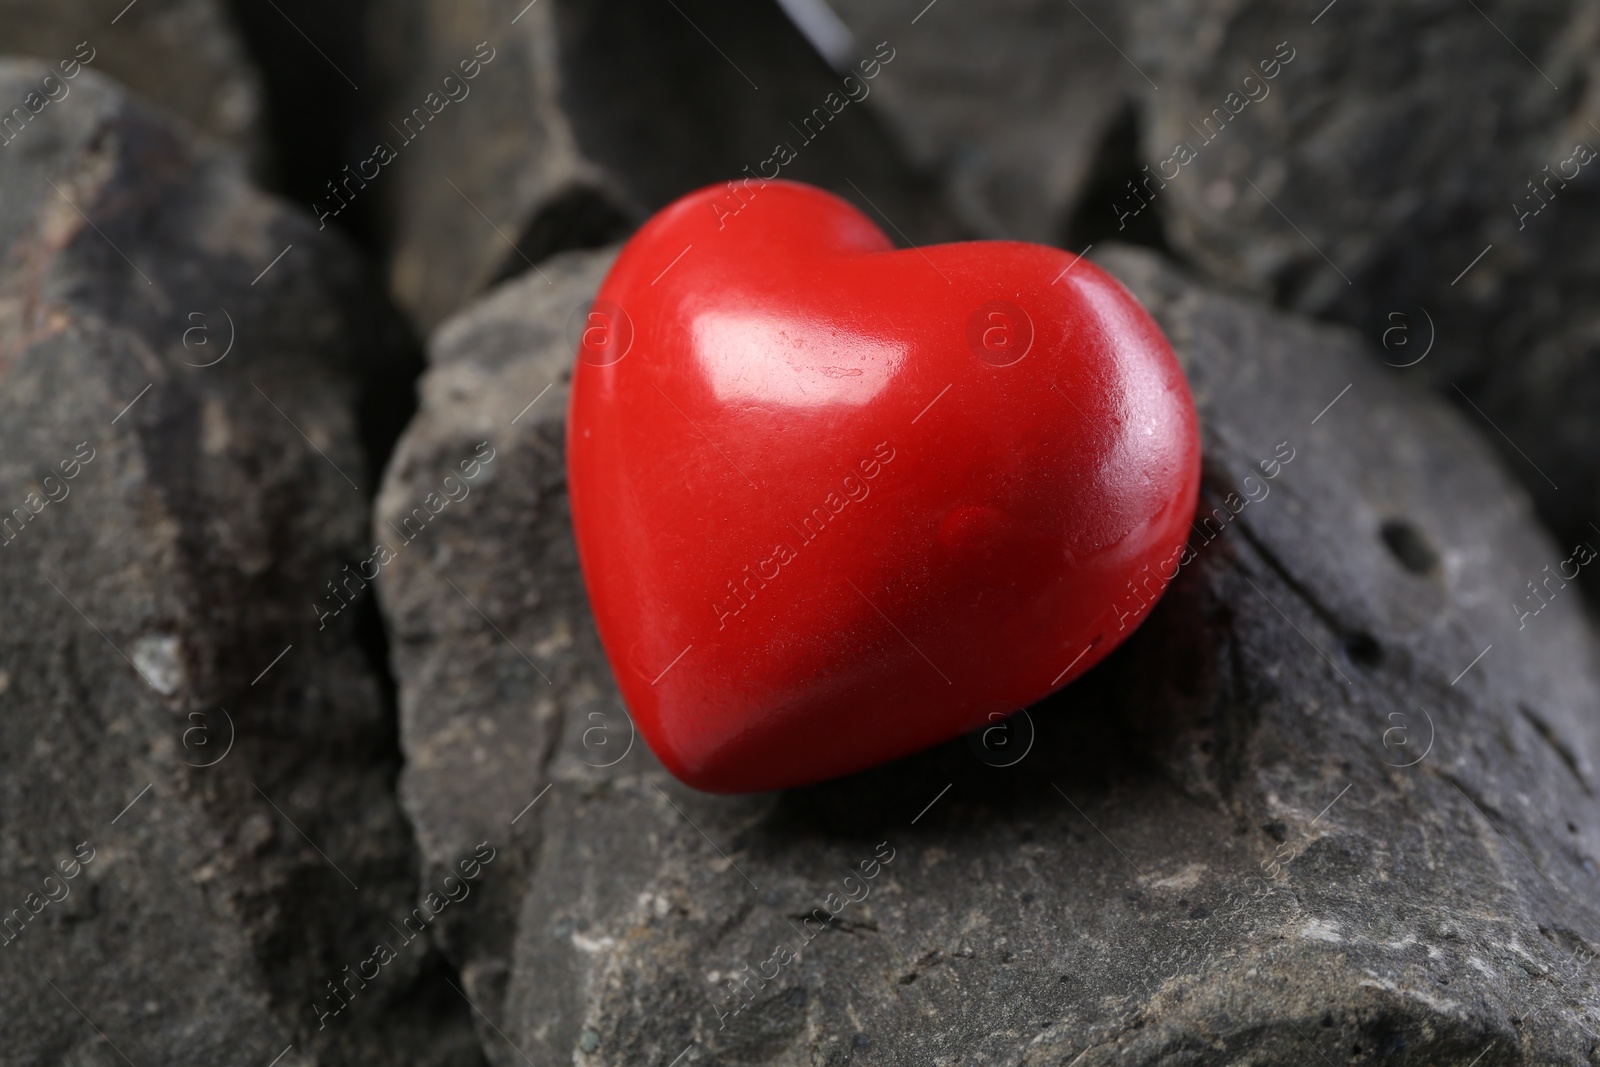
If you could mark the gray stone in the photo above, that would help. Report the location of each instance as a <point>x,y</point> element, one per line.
<point>184,363</point>
<point>588,117</point>
<point>493,647</point>
<point>1386,158</point>
<point>1337,791</point>
<point>1009,102</point>
<point>181,54</point>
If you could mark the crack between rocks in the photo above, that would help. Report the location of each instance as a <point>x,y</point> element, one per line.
<point>1561,748</point>
<point>1329,617</point>
<point>847,926</point>
<point>558,733</point>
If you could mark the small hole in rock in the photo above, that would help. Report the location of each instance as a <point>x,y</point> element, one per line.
<point>1363,648</point>
<point>1409,546</point>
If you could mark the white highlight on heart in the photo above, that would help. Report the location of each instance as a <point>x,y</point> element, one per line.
<point>792,362</point>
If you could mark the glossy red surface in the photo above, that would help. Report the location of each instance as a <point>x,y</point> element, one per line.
<point>836,502</point>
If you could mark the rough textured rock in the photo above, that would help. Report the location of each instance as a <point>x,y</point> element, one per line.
<point>1302,806</point>
<point>492,642</point>
<point>1011,103</point>
<point>180,456</point>
<point>181,54</point>
<point>1397,144</point>
<point>589,116</point>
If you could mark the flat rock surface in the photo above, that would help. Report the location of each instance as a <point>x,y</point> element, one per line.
<point>199,830</point>
<point>1337,792</point>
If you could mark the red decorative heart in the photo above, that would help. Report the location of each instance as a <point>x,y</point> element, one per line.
<point>835,502</point>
